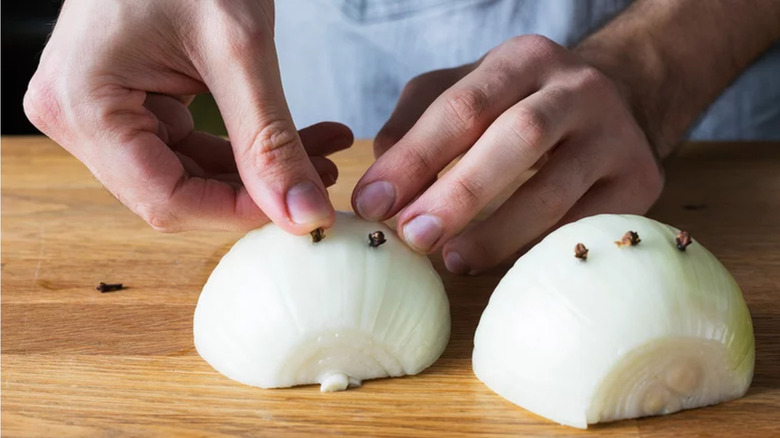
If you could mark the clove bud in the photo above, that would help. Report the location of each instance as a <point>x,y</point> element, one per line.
<point>682,240</point>
<point>376,238</point>
<point>109,287</point>
<point>317,235</point>
<point>631,238</point>
<point>581,252</point>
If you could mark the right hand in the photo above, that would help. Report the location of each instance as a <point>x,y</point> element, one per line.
<point>113,87</point>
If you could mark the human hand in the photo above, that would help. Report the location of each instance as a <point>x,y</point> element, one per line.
<point>113,87</point>
<point>527,99</point>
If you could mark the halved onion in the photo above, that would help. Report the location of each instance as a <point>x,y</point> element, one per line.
<point>630,331</point>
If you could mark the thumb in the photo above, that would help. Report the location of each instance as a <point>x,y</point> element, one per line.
<point>270,157</point>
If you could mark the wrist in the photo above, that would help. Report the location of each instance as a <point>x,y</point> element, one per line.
<point>637,70</point>
<point>672,58</point>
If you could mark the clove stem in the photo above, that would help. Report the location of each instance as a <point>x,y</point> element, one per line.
<point>109,287</point>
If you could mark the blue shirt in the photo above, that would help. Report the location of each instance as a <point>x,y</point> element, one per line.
<point>347,60</point>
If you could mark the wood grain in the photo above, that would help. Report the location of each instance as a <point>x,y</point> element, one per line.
<point>76,362</point>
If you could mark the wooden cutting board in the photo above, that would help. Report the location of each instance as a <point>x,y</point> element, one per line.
<point>76,362</point>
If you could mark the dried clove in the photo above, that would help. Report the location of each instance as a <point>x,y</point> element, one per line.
<point>581,252</point>
<point>376,238</point>
<point>631,238</point>
<point>682,240</point>
<point>109,287</point>
<point>317,235</point>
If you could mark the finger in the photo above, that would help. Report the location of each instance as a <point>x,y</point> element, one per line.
<point>191,167</point>
<point>175,119</point>
<point>242,71</point>
<point>148,177</point>
<point>326,138</point>
<point>215,154</point>
<point>512,144</point>
<point>415,98</point>
<point>535,207</point>
<point>452,123</point>
<point>201,153</point>
<point>604,197</point>
<point>326,169</point>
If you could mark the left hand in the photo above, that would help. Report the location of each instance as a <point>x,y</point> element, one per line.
<point>525,99</point>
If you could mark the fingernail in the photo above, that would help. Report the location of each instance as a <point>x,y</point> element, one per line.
<point>375,200</point>
<point>455,264</point>
<point>422,232</point>
<point>306,204</point>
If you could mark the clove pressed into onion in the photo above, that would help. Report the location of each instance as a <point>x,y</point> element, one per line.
<point>652,330</point>
<point>281,310</point>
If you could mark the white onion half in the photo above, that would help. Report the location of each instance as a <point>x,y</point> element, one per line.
<point>280,310</point>
<point>629,332</point>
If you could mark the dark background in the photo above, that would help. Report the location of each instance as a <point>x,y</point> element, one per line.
<point>25,26</point>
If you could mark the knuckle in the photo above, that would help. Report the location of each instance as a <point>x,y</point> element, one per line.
<point>275,144</point>
<point>159,219</point>
<point>467,106</point>
<point>41,104</point>
<point>501,68</point>
<point>244,40</point>
<point>591,78</point>
<point>592,75</point>
<point>518,42</point>
<point>416,165</point>
<point>537,46</point>
<point>466,193</point>
<point>125,124</point>
<point>116,110</point>
<point>531,128</point>
<point>276,135</point>
<point>500,52</point>
<point>551,202</point>
<point>542,43</point>
<point>240,34</point>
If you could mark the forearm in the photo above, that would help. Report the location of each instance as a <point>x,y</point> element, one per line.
<point>672,58</point>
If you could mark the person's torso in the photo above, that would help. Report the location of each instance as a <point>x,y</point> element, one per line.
<point>348,60</point>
